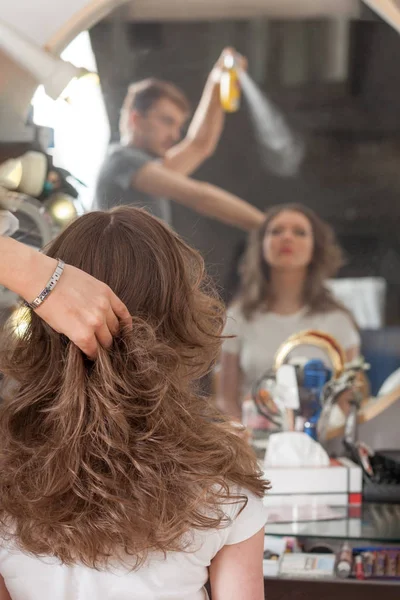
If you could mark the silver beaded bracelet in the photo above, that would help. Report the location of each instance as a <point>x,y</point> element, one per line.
<point>51,284</point>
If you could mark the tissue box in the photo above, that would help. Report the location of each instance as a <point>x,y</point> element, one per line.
<point>339,484</point>
<point>308,565</point>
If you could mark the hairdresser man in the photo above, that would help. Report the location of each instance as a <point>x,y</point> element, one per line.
<point>152,165</point>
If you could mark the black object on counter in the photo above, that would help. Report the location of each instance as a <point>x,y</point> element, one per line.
<point>384,486</point>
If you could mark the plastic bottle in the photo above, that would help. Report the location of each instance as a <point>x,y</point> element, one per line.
<point>315,376</point>
<point>230,92</point>
<point>344,561</point>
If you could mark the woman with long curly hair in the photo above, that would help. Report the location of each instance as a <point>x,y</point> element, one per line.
<point>117,478</point>
<point>282,291</point>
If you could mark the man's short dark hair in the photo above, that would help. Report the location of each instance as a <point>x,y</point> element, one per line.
<point>141,96</point>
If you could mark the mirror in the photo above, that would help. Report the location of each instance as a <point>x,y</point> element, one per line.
<point>331,75</point>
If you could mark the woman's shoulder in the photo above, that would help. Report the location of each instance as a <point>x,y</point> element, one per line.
<point>233,329</point>
<point>234,310</point>
<point>234,319</point>
<point>342,326</point>
<point>339,317</point>
<point>238,325</point>
<point>247,515</point>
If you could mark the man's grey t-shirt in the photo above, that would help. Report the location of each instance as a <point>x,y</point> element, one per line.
<point>114,184</point>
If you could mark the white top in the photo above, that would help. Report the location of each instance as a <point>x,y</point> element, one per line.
<point>178,576</point>
<point>258,340</point>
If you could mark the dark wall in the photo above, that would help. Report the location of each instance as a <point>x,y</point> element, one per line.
<point>351,174</point>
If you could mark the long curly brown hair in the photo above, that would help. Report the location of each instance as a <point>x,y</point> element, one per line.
<point>120,456</point>
<point>254,290</point>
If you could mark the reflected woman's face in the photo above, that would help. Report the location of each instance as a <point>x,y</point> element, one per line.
<point>289,242</point>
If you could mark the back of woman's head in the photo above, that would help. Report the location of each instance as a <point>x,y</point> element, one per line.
<point>327,258</point>
<point>119,455</point>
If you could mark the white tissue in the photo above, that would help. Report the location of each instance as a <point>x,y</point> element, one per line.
<point>287,386</point>
<point>294,449</point>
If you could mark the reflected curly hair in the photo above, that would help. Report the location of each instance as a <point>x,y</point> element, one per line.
<point>120,456</point>
<point>254,290</point>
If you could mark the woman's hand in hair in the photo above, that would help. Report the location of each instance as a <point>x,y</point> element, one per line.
<point>84,309</point>
<point>81,307</point>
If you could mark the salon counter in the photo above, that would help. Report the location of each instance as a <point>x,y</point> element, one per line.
<point>371,524</point>
<point>306,589</point>
<point>300,589</point>
<point>374,524</point>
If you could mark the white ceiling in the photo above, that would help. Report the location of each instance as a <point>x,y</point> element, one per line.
<point>54,24</point>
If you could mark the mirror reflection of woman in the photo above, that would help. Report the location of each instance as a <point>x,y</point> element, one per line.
<point>282,291</point>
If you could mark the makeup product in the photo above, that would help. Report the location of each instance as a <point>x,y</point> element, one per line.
<point>380,563</point>
<point>368,560</point>
<point>344,562</point>
<point>359,567</point>
<point>391,563</point>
